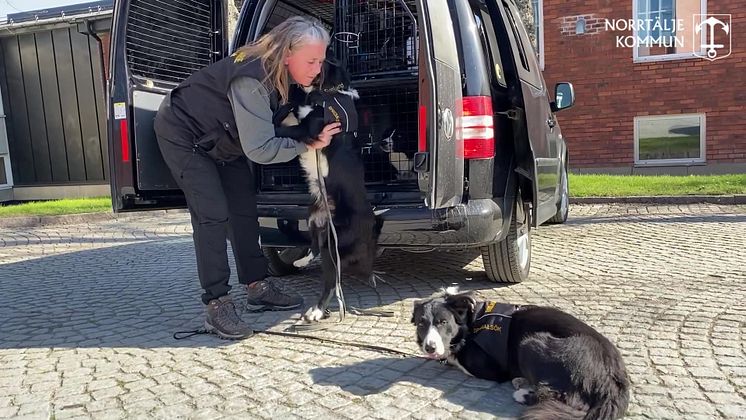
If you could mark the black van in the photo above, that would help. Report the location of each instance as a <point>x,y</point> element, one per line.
<point>457,134</point>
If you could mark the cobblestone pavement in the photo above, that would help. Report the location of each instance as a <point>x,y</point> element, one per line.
<point>88,311</point>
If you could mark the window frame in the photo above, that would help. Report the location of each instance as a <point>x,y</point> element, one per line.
<point>5,150</point>
<point>8,173</point>
<point>672,162</point>
<point>637,58</point>
<point>539,17</point>
<point>659,12</point>
<point>527,64</point>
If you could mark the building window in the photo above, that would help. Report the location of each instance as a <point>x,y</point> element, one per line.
<point>659,11</point>
<point>538,6</point>
<point>667,31</point>
<point>670,139</point>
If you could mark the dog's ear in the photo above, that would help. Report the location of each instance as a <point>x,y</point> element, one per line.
<point>416,311</point>
<point>462,304</point>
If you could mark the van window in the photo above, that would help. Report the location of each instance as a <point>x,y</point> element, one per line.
<point>166,40</point>
<point>530,69</point>
<point>518,40</point>
<point>489,39</point>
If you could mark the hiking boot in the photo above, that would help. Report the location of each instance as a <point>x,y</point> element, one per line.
<point>262,295</point>
<point>223,320</point>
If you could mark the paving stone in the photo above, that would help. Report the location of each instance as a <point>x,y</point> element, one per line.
<point>89,310</point>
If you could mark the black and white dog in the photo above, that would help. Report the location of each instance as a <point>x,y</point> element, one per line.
<point>341,170</point>
<point>560,366</point>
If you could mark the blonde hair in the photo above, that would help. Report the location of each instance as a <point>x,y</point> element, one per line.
<point>273,47</point>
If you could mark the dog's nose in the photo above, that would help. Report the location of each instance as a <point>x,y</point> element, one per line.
<point>429,348</point>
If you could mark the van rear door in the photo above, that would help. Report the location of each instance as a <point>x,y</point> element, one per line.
<point>441,158</point>
<point>155,44</point>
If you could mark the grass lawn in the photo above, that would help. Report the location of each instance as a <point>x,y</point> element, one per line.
<point>57,207</point>
<point>580,186</point>
<point>625,185</point>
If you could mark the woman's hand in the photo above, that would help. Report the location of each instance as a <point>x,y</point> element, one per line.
<point>325,137</point>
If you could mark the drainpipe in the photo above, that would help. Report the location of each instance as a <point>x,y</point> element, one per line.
<point>91,32</point>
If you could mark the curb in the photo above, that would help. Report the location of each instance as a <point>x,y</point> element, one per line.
<point>686,199</point>
<point>72,219</point>
<point>81,218</point>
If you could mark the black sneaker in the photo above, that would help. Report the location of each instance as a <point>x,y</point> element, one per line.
<point>262,295</point>
<point>223,320</point>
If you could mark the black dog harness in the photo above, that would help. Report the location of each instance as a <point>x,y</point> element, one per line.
<point>339,107</point>
<point>490,330</point>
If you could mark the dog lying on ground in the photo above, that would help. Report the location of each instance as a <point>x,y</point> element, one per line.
<point>340,168</point>
<point>560,366</point>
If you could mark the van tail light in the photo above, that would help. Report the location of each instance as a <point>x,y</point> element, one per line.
<point>477,127</point>
<point>422,139</point>
<point>124,140</point>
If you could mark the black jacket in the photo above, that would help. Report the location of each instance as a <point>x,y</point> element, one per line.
<point>200,109</point>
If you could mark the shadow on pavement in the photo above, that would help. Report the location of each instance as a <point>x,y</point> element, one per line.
<point>391,378</point>
<point>138,295</point>
<point>655,219</point>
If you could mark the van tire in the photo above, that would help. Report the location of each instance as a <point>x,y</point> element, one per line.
<point>563,203</point>
<point>280,260</point>
<point>509,261</point>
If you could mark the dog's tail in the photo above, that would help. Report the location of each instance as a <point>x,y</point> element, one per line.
<point>607,409</point>
<point>612,397</point>
<point>552,409</point>
<point>609,396</point>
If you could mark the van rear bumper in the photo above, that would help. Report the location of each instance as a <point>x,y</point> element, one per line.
<point>479,222</point>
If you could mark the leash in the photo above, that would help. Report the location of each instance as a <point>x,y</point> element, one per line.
<point>180,335</point>
<point>332,232</point>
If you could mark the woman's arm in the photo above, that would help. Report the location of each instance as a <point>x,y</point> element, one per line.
<point>250,101</point>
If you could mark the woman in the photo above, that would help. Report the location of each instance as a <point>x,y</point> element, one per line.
<point>208,128</point>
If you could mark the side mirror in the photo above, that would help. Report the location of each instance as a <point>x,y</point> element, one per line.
<point>564,96</point>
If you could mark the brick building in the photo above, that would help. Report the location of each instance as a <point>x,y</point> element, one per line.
<point>639,109</point>
<point>651,107</point>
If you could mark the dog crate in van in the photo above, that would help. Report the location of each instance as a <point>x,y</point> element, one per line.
<point>406,72</point>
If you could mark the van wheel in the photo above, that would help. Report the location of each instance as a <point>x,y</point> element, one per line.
<point>280,260</point>
<point>509,260</point>
<point>563,203</point>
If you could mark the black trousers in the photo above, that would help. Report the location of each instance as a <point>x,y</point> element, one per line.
<point>222,201</point>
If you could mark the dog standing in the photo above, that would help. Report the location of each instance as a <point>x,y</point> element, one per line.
<point>341,170</point>
<point>560,366</point>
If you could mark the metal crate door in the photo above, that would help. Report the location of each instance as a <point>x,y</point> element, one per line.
<point>377,38</point>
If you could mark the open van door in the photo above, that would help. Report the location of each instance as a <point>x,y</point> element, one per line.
<point>440,160</point>
<point>155,44</point>
<point>542,132</point>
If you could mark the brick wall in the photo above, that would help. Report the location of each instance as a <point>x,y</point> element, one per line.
<point>611,89</point>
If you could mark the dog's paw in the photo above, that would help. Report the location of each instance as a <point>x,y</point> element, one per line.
<point>314,314</point>
<point>519,383</point>
<point>523,396</point>
<point>303,262</point>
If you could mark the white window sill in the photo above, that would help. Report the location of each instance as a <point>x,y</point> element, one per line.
<point>672,162</point>
<point>667,57</point>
